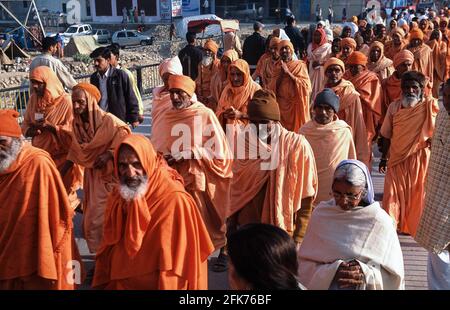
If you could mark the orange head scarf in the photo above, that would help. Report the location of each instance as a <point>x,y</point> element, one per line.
<point>416,33</point>
<point>399,31</point>
<point>284,43</point>
<point>348,42</point>
<point>91,89</point>
<point>379,45</point>
<point>54,90</point>
<point>243,67</point>
<point>274,42</point>
<point>182,82</point>
<point>211,45</point>
<point>334,61</point>
<point>402,56</point>
<point>323,38</point>
<point>405,28</point>
<point>357,58</point>
<point>130,220</point>
<point>9,126</point>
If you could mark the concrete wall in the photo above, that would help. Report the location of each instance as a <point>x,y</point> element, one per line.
<point>118,18</point>
<point>354,7</point>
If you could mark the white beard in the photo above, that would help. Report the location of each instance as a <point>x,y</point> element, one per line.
<point>409,101</point>
<point>130,193</point>
<point>9,157</point>
<point>207,61</point>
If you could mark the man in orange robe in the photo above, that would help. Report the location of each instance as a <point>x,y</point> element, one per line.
<point>397,44</point>
<point>423,55</point>
<point>439,51</point>
<point>348,46</point>
<point>331,140</point>
<point>350,109</point>
<point>207,68</point>
<point>161,97</point>
<point>275,177</point>
<point>196,146</point>
<point>406,131</point>
<point>378,63</point>
<point>154,234</point>
<point>265,66</point>
<point>368,85</point>
<point>95,134</point>
<point>220,80</point>
<point>48,121</point>
<point>292,87</point>
<point>37,244</point>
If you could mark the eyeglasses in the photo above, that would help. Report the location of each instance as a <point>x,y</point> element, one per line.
<point>349,197</point>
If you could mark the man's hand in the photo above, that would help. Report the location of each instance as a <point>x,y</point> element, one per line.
<point>33,132</point>
<point>233,114</point>
<point>285,67</point>
<point>349,275</point>
<point>102,160</point>
<point>382,167</point>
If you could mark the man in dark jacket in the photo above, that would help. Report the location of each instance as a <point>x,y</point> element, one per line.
<point>295,36</point>
<point>254,46</point>
<point>190,56</point>
<point>118,96</point>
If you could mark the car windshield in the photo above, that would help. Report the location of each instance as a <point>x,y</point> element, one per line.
<point>72,30</point>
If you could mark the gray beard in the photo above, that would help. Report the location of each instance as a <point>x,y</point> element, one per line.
<point>131,193</point>
<point>410,102</point>
<point>9,157</point>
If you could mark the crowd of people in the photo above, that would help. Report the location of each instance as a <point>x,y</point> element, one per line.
<point>263,155</point>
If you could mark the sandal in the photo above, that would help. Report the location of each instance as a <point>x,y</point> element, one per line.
<point>221,263</point>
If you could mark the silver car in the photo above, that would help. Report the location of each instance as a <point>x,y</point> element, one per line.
<point>131,37</point>
<point>101,35</point>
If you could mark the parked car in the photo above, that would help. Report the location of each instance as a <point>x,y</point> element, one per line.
<point>76,30</point>
<point>247,12</point>
<point>101,35</point>
<point>130,38</point>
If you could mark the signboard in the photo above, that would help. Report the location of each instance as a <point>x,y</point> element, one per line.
<point>191,7</point>
<point>374,6</point>
<point>177,8</point>
<point>165,9</point>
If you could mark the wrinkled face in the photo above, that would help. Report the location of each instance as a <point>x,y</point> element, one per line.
<point>336,46</point>
<point>411,93</point>
<point>180,99</point>
<point>334,74</point>
<point>286,53</point>
<point>347,50</point>
<point>356,69</point>
<point>404,67</point>
<point>317,37</point>
<point>416,42</point>
<point>101,64</point>
<point>225,62</point>
<point>38,87</point>
<point>129,167</point>
<point>79,102</point>
<point>397,39</point>
<point>274,52</point>
<point>208,52</point>
<point>5,146</point>
<point>375,54</point>
<point>236,77</point>
<point>346,195</point>
<point>9,150</point>
<point>446,97</point>
<point>323,114</point>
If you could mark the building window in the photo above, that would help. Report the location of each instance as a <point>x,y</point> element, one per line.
<point>25,4</point>
<point>148,6</point>
<point>102,8</point>
<point>88,7</point>
<point>64,8</point>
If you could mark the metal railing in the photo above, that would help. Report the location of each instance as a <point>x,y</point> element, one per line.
<point>147,77</point>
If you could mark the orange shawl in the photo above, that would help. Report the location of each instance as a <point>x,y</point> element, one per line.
<point>423,61</point>
<point>219,80</point>
<point>205,75</point>
<point>331,144</point>
<point>264,69</point>
<point>350,111</point>
<point>36,227</point>
<point>292,95</point>
<point>383,67</point>
<point>290,177</point>
<point>439,54</point>
<point>157,241</point>
<point>392,91</point>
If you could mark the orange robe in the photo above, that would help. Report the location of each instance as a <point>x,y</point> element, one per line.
<point>203,80</point>
<point>321,54</point>
<point>277,183</point>
<point>219,80</point>
<point>350,111</point>
<point>392,91</point>
<point>409,154</point>
<point>207,176</point>
<point>158,241</point>
<point>36,230</point>
<point>383,67</point>
<point>292,95</point>
<point>439,52</point>
<point>90,140</point>
<point>56,106</point>
<point>391,50</point>
<point>331,144</point>
<point>423,62</point>
<point>367,84</point>
<point>264,69</point>
<point>160,104</point>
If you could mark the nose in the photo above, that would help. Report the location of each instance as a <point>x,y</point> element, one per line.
<point>130,172</point>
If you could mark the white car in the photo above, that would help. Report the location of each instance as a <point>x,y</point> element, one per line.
<point>130,37</point>
<point>101,35</point>
<point>76,30</point>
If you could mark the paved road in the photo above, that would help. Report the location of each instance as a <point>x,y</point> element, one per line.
<point>415,257</point>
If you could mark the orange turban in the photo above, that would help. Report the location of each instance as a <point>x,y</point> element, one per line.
<point>284,43</point>
<point>357,58</point>
<point>91,89</point>
<point>9,126</point>
<point>416,33</point>
<point>211,45</point>
<point>183,83</point>
<point>348,42</point>
<point>377,44</point>
<point>334,61</point>
<point>399,31</point>
<point>402,56</point>
<point>274,42</point>
<point>405,28</point>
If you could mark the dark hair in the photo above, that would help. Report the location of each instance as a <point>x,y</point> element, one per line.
<point>413,76</point>
<point>48,42</point>
<point>115,49</point>
<point>265,256</point>
<point>103,52</point>
<point>190,37</point>
<point>290,19</point>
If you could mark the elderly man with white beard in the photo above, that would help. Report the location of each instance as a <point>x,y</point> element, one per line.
<point>35,215</point>
<point>406,138</point>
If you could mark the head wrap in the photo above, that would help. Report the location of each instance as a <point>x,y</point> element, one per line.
<point>274,42</point>
<point>171,65</point>
<point>399,31</point>
<point>357,58</point>
<point>263,106</point>
<point>402,56</point>
<point>416,33</point>
<point>91,89</point>
<point>182,82</point>
<point>211,45</point>
<point>334,61</point>
<point>370,196</point>
<point>379,45</point>
<point>284,43</point>
<point>323,38</point>
<point>328,97</point>
<point>9,125</point>
<point>348,42</point>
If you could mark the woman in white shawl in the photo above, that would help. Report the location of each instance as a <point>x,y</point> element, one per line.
<point>351,242</point>
<point>319,50</point>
